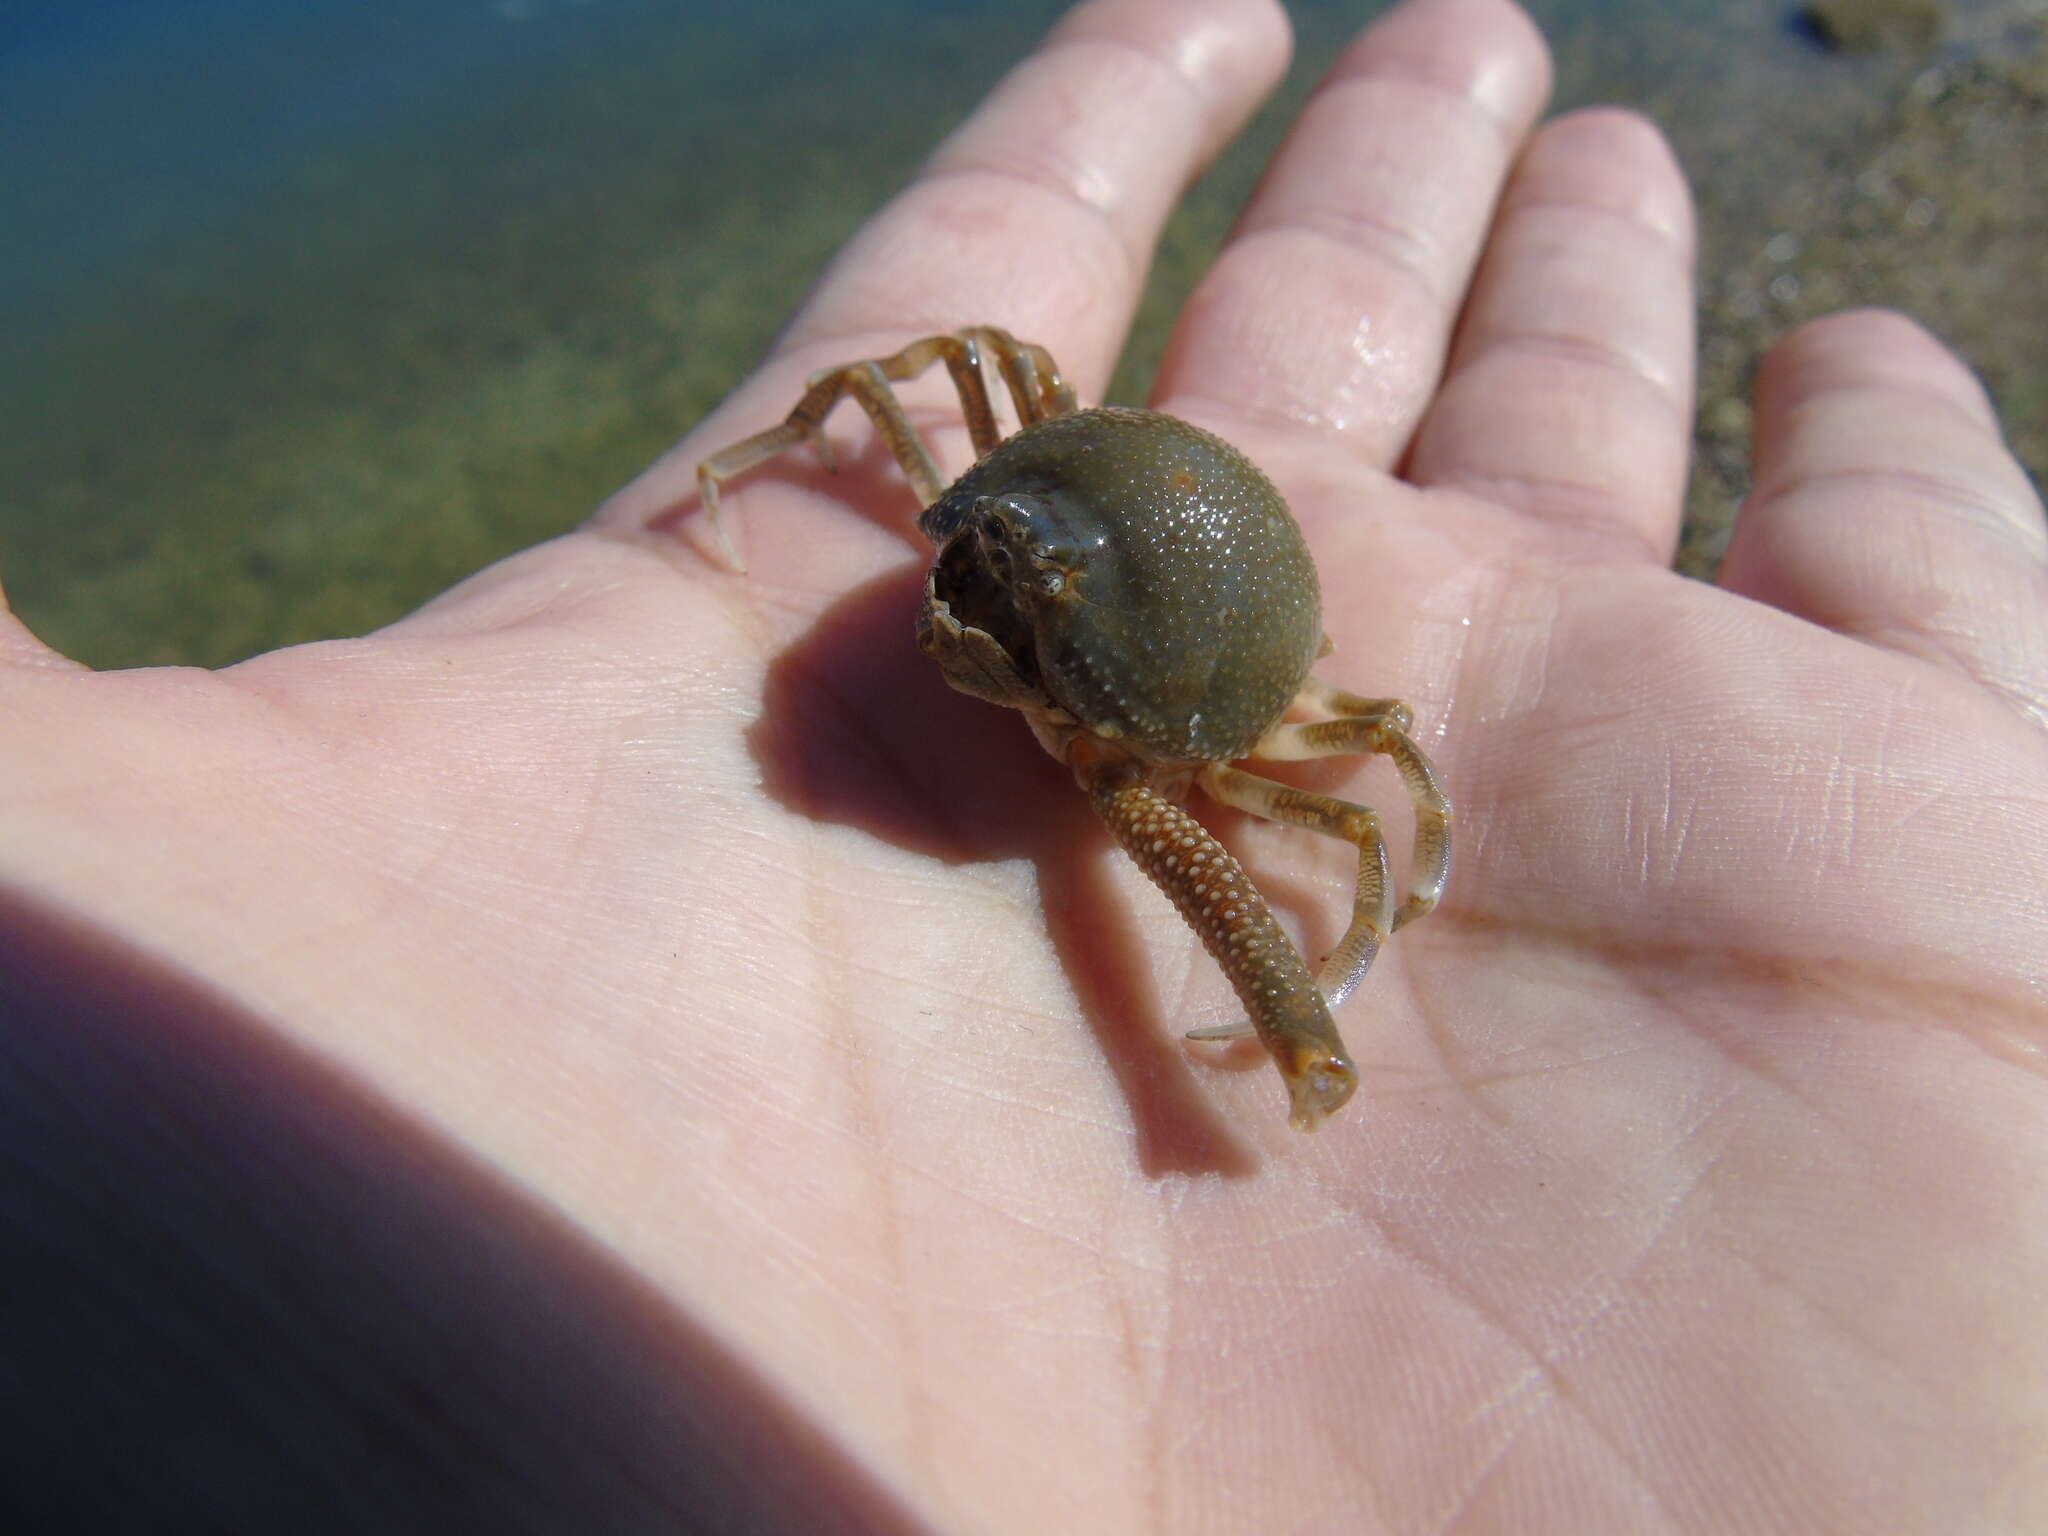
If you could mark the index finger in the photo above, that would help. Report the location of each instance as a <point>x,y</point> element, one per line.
<point>1040,212</point>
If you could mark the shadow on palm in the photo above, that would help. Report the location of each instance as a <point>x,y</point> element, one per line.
<point>858,729</point>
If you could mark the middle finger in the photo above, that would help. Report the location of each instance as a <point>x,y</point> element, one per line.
<point>1333,304</point>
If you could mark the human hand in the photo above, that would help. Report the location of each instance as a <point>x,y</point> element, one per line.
<point>1694,1181</point>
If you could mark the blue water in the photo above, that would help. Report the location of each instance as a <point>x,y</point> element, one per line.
<point>314,307</point>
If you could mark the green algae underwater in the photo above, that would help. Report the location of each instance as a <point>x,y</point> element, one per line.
<point>315,313</point>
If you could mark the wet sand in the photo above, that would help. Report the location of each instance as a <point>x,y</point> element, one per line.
<point>1929,195</point>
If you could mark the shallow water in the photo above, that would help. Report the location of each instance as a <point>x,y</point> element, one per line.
<point>314,309</point>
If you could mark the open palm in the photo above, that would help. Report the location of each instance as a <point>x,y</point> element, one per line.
<point>1695,1181</point>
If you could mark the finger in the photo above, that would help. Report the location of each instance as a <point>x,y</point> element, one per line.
<point>1041,211</point>
<point>1570,388</point>
<point>1332,305</point>
<point>1038,214</point>
<point>1887,507</point>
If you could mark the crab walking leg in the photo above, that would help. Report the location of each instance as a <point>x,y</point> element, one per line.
<point>1382,731</point>
<point>1230,917</point>
<point>1033,378</point>
<point>1372,900</point>
<point>868,383</point>
<point>1317,694</point>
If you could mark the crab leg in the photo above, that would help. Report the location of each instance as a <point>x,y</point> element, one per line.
<point>1372,901</point>
<point>1377,725</point>
<point>1201,878</point>
<point>1033,379</point>
<point>868,384</point>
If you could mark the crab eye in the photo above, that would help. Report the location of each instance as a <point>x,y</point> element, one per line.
<point>1002,516</point>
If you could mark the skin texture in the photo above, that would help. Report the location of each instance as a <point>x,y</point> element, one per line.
<point>629,1044</point>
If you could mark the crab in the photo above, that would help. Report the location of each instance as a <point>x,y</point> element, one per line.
<point>1138,589</point>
